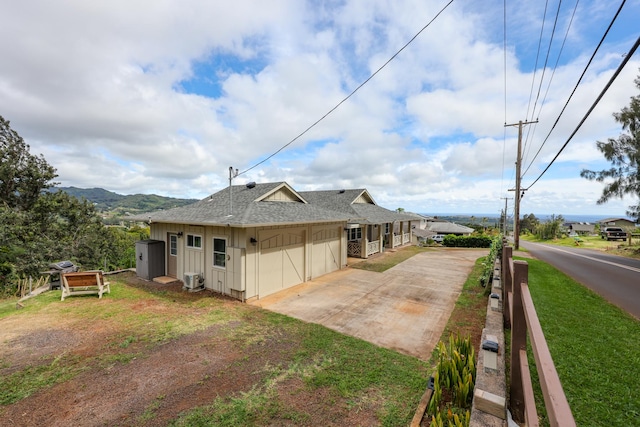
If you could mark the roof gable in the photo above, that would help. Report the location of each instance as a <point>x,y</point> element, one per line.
<point>365,197</point>
<point>281,193</point>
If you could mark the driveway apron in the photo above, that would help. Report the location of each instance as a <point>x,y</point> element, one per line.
<point>404,308</point>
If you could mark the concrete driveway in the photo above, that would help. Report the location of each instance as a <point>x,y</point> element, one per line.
<point>405,308</point>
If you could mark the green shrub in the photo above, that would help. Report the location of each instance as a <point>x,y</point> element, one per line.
<point>453,241</point>
<point>489,261</point>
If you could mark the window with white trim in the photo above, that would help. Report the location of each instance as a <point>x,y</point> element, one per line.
<point>194,241</point>
<point>219,252</point>
<point>355,234</point>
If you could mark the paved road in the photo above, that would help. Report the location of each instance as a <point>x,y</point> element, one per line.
<point>616,278</point>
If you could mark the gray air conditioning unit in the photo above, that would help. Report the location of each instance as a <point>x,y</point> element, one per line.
<point>193,280</point>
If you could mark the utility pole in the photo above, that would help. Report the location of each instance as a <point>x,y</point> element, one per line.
<point>519,193</point>
<point>504,223</point>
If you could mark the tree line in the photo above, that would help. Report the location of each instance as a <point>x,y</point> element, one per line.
<point>38,226</point>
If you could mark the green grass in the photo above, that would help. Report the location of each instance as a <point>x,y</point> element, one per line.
<point>389,260</point>
<point>343,367</point>
<point>23,383</point>
<point>469,313</point>
<point>595,347</point>
<point>587,242</point>
<point>355,374</point>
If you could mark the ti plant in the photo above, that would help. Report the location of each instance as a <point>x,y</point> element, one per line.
<point>454,377</point>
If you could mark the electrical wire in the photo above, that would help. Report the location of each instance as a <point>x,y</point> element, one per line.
<point>535,67</point>
<point>532,130</point>
<point>593,106</point>
<point>504,52</point>
<point>351,94</point>
<point>576,86</point>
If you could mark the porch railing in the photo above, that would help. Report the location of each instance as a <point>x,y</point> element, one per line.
<point>520,315</point>
<point>406,238</point>
<point>397,240</point>
<point>373,247</point>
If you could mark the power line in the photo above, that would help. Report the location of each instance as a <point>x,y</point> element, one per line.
<point>576,86</point>
<point>531,131</point>
<point>504,53</point>
<point>593,106</point>
<point>352,93</point>
<point>535,67</point>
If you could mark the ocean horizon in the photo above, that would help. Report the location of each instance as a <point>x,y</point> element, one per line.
<point>592,219</point>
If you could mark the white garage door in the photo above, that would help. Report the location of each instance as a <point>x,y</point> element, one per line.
<point>281,263</point>
<point>325,256</point>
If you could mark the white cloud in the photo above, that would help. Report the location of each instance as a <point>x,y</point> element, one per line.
<point>100,90</point>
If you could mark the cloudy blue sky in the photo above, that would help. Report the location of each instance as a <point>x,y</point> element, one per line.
<point>163,96</point>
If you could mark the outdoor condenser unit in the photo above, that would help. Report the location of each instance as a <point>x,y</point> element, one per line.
<point>192,280</point>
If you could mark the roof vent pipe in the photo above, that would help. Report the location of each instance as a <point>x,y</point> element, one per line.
<point>251,184</point>
<point>342,191</point>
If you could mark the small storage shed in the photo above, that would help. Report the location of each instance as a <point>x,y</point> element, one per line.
<point>150,259</point>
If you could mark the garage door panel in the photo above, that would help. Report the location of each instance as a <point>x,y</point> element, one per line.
<point>325,256</point>
<point>281,262</point>
<point>270,270</point>
<point>292,266</point>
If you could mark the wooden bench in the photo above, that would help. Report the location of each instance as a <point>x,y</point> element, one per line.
<point>84,283</point>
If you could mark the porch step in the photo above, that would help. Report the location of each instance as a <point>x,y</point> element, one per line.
<point>165,280</point>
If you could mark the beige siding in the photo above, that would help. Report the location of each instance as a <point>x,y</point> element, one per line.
<point>364,198</point>
<point>281,256</point>
<point>193,258</point>
<point>282,195</point>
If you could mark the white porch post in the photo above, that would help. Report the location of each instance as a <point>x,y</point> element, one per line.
<point>364,242</point>
<point>380,239</point>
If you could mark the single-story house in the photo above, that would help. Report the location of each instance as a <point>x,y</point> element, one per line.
<point>446,227</point>
<point>617,222</point>
<point>252,240</point>
<point>421,221</point>
<point>582,228</point>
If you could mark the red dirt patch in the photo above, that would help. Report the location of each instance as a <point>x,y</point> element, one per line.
<point>150,384</point>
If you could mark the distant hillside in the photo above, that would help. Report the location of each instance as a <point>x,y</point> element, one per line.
<point>105,200</point>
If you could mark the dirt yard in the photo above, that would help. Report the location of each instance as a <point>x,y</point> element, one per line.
<point>108,375</point>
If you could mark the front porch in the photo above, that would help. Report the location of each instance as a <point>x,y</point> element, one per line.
<point>375,238</point>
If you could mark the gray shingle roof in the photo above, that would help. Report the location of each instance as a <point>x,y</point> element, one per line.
<point>343,201</point>
<point>248,211</point>
<point>448,228</point>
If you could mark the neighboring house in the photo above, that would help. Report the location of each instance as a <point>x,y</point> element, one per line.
<point>581,228</point>
<point>421,221</point>
<point>421,236</point>
<point>435,227</point>
<point>446,227</point>
<point>249,241</point>
<point>617,222</point>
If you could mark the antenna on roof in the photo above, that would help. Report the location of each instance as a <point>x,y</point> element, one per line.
<point>232,174</point>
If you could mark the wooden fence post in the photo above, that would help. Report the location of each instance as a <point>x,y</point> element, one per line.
<point>506,279</point>
<point>518,340</point>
